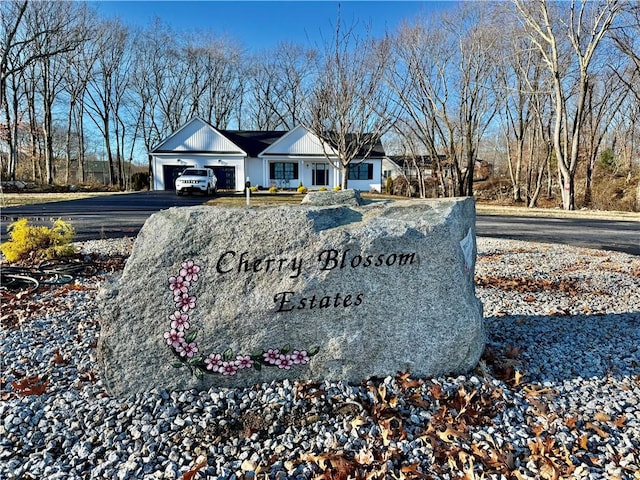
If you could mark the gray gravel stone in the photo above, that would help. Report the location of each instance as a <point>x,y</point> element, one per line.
<point>575,341</point>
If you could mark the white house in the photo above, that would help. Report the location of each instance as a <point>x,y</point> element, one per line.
<point>267,158</point>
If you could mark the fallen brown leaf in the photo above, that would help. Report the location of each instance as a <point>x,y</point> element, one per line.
<point>30,386</point>
<point>570,422</point>
<point>620,421</point>
<point>191,474</point>
<point>58,359</point>
<point>602,417</point>
<point>582,441</point>
<point>597,429</point>
<point>405,382</point>
<point>449,435</point>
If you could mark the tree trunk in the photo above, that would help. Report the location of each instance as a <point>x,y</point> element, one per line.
<point>345,176</point>
<point>67,142</point>
<point>567,190</point>
<point>48,146</point>
<point>587,183</point>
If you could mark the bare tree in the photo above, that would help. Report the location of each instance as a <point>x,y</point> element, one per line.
<point>79,66</point>
<point>514,77</point>
<point>213,70</point>
<point>627,39</point>
<point>150,72</point>
<point>12,41</point>
<point>413,79</point>
<point>14,94</point>
<point>37,34</point>
<point>605,95</point>
<point>277,85</point>
<point>570,68</point>
<point>349,106</point>
<point>63,20</point>
<point>441,82</point>
<point>539,142</point>
<point>477,106</point>
<point>150,67</point>
<point>106,91</point>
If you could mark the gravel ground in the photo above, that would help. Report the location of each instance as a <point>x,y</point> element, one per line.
<point>556,395</point>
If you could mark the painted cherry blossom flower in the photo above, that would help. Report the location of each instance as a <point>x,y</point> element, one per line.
<point>299,357</point>
<point>285,362</point>
<point>179,320</point>
<point>190,271</point>
<point>271,356</point>
<point>178,285</point>
<point>184,302</point>
<point>175,338</point>
<point>228,368</point>
<point>243,361</point>
<point>187,349</point>
<point>214,362</point>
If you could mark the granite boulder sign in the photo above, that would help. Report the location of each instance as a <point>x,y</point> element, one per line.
<point>238,296</point>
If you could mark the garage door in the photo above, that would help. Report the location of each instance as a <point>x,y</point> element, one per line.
<point>170,173</point>
<point>226,177</point>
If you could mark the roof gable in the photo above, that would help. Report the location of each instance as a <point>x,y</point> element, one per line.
<point>198,136</point>
<point>298,141</point>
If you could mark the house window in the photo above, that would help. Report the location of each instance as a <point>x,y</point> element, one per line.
<point>362,171</point>
<point>283,170</point>
<point>320,174</point>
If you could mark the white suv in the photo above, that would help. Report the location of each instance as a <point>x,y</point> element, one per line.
<point>196,180</point>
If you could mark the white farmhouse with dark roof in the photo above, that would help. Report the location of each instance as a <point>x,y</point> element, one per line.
<point>268,158</point>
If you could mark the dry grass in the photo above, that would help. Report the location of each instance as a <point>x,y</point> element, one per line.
<point>280,198</point>
<point>31,198</point>
<point>256,199</point>
<point>287,198</point>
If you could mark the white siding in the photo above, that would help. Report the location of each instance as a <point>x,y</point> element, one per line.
<point>298,142</point>
<point>198,136</point>
<point>254,171</point>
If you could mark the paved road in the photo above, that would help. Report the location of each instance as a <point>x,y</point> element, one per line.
<point>616,235</point>
<point>124,214</point>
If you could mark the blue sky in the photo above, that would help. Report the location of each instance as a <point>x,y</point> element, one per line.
<point>264,24</point>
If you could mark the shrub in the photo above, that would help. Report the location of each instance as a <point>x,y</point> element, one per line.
<point>273,189</point>
<point>302,189</point>
<point>254,189</point>
<point>322,189</point>
<point>337,188</point>
<point>607,161</point>
<point>140,181</point>
<point>38,241</point>
<point>388,185</point>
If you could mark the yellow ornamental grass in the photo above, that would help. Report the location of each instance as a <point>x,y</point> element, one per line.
<point>41,242</point>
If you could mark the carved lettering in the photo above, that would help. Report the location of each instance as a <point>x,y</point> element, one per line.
<point>227,263</point>
<point>331,259</point>
<point>232,262</point>
<point>285,301</point>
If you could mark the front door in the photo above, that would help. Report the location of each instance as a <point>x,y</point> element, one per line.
<point>320,174</point>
